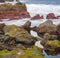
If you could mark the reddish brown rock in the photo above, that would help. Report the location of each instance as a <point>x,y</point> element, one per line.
<point>12,12</point>
<point>45,27</point>
<point>14,15</point>
<point>51,16</point>
<point>37,17</point>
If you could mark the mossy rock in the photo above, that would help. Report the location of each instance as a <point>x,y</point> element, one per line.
<point>19,33</point>
<point>15,31</point>
<point>6,54</point>
<point>33,52</point>
<point>52,45</point>
<point>48,36</point>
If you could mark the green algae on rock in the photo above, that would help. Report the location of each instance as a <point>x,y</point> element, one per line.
<point>33,52</point>
<point>20,34</point>
<point>52,45</point>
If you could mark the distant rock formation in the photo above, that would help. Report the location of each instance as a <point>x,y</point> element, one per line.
<point>51,16</point>
<point>37,16</point>
<point>16,11</point>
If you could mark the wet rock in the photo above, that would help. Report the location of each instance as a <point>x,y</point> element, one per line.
<point>37,17</point>
<point>21,35</point>
<point>52,45</point>
<point>51,16</point>
<point>27,26</point>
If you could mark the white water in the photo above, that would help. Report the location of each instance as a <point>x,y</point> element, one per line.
<point>38,43</point>
<point>43,9</point>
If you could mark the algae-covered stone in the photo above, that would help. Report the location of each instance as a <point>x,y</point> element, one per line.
<point>52,45</point>
<point>50,36</point>
<point>33,52</point>
<point>21,35</point>
<point>6,54</point>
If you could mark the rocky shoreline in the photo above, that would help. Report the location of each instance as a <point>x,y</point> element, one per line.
<point>13,38</point>
<point>19,11</point>
<point>17,41</point>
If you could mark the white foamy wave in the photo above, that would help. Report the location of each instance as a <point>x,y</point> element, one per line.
<point>43,9</point>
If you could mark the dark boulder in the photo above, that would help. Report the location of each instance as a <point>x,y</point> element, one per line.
<point>27,26</point>
<point>45,27</point>
<point>37,17</point>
